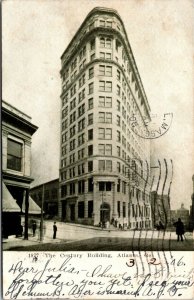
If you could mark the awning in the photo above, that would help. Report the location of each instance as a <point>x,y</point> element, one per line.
<point>9,203</point>
<point>33,209</point>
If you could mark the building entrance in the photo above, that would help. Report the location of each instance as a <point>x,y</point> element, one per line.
<point>104,213</point>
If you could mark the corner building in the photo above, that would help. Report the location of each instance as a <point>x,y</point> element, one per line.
<point>104,166</point>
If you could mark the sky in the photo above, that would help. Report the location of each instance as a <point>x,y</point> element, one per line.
<point>36,32</point>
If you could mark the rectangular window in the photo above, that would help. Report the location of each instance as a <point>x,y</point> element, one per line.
<point>101,118</point>
<point>63,190</point>
<point>105,86</point>
<point>90,134</point>
<point>118,75</point>
<point>101,133</point>
<point>14,155</point>
<point>91,88</point>
<point>118,120</point>
<point>101,165</point>
<point>118,90</point>
<point>109,165</point>
<point>108,134</point>
<point>81,139</point>
<point>90,166</point>
<point>118,151</point>
<point>101,149</point>
<point>108,56</point>
<point>118,136</point>
<point>91,72</point>
<point>118,167</point>
<point>92,44</point>
<point>81,110</point>
<point>124,209</point>
<point>105,117</point>
<point>108,149</point>
<point>105,101</point>
<point>81,186</point>
<point>118,209</point>
<point>101,70</point>
<point>109,118</point>
<point>90,208</point>
<point>90,150</point>
<point>118,186</point>
<point>102,23</point>
<point>81,124</point>
<point>90,103</point>
<point>108,24</point>
<point>90,119</point>
<point>81,209</point>
<point>90,184</point>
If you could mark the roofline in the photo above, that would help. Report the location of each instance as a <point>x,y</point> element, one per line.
<point>44,183</point>
<point>134,65</point>
<point>22,120</point>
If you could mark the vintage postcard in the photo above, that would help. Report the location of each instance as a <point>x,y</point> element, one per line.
<point>97,149</point>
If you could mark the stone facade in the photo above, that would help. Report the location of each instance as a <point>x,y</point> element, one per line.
<point>17,131</point>
<point>104,165</point>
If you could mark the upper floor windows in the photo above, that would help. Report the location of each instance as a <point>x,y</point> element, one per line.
<point>90,119</point>
<point>72,117</point>
<point>81,110</point>
<point>104,23</point>
<point>14,155</point>
<point>105,70</point>
<point>105,149</point>
<point>105,133</point>
<point>90,103</point>
<point>65,112</point>
<point>74,64</point>
<point>105,117</point>
<point>105,55</point>
<point>73,104</point>
<point>105,42</point>
<point>91,88</point>
<point>91,72</point>
<point>81,139</point>
<point>73,90</point>
<point>105,86</point>
<point>82,80</point>
<point>92,44</point>
<point>105,101</point>
<point>81,95</point>
<point>118,75</point>
<point>82,53</point>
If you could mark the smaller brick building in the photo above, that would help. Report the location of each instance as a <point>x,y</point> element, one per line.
<point>50,199</point>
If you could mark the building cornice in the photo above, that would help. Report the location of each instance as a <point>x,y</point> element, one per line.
<point>17,121</point>
<point>17,178</point>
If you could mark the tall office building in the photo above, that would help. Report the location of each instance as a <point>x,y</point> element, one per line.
<point>104,165</point>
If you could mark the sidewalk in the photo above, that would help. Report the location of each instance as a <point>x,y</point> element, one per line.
<point>13,242</point>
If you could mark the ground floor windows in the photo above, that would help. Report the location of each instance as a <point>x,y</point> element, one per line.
<point>81,209</point>
<point>105,186</point>
<point>90,208</point>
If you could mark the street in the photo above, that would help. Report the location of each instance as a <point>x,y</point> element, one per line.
<point>76,237</point>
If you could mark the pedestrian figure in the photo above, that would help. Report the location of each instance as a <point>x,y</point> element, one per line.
<point>34,228</point>
<point>179,229</point>
<point>54,230</point>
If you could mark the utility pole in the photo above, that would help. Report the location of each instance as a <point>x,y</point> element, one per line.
<point>41,222</point>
